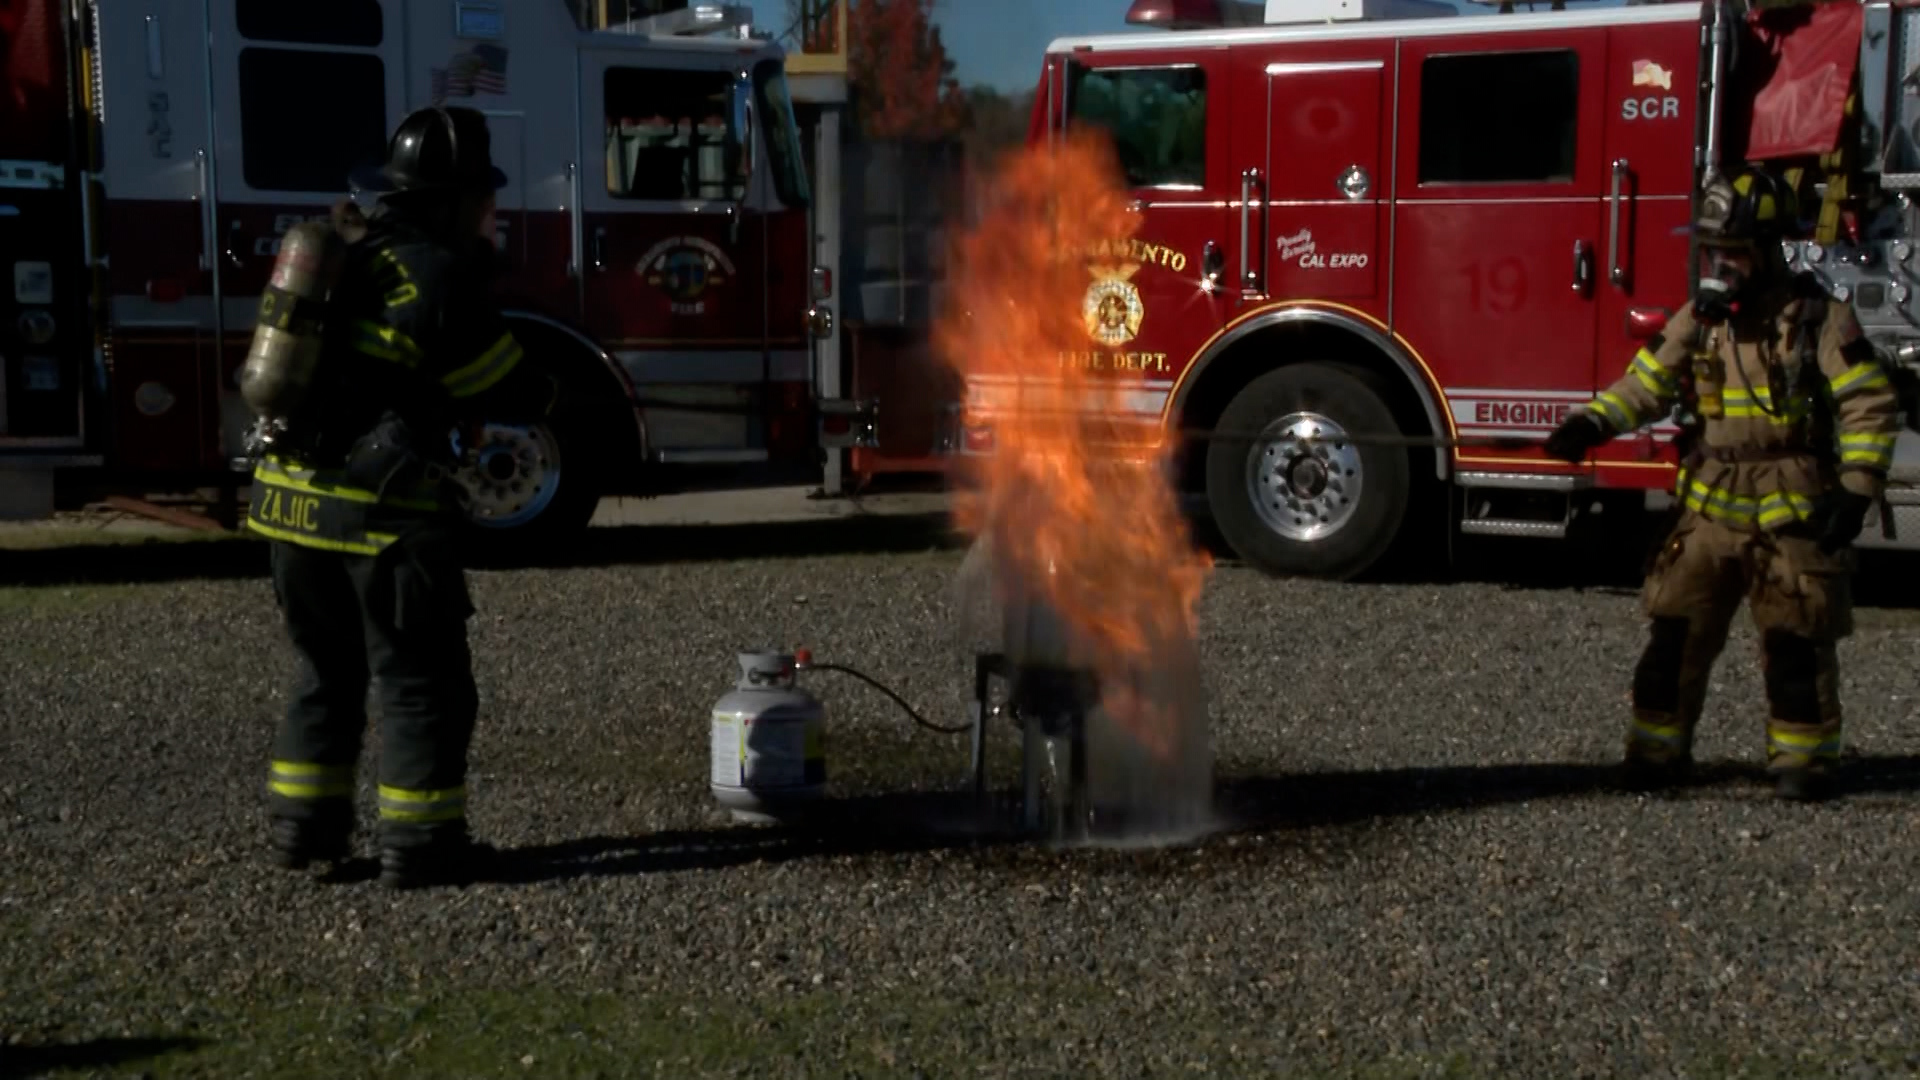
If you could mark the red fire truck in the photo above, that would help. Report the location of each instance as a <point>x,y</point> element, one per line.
<point>665,250</point>
<point>1374,218</point>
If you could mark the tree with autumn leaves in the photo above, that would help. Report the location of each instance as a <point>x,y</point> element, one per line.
<point>900,76</point>
<point>900,72</point>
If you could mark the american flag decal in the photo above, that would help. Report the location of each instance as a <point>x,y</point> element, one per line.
<point>482,69</point>
<point>491,76</point>
<point>460,71</point>
<point>1648,73</point>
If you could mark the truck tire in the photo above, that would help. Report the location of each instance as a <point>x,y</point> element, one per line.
<point>1325,510</point>
<point>533,489</point>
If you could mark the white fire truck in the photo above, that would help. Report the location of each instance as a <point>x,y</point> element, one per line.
<point>665,248</point>
<point>1372,217</point>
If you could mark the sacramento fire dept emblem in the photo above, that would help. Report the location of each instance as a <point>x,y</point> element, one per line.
<point>684,269</point>
<point>1112,308</point>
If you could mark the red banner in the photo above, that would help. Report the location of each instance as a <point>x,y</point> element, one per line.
<point>1807,59</point>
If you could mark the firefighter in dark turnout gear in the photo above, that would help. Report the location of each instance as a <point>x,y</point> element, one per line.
<point>1794,422</point>
<point>362,512</point>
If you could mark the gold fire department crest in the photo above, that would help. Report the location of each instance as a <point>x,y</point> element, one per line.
<point>1112,309</point>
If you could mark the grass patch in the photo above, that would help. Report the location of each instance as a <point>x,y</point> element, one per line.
<point>532,1031</point>
<point>37,537</point>
<point>1053,1027</point>
<point>62,599</point>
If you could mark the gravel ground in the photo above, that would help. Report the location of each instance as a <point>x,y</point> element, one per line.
<point>1425,872</point>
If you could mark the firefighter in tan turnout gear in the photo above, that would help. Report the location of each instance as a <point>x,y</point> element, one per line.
<point>1794,422</point>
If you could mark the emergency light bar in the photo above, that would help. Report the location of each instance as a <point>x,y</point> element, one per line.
<point>1194,14</point>
<point>1217,14</point>
<point>691,21</point>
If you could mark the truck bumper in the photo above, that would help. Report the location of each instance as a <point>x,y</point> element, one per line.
<point>26,483</point>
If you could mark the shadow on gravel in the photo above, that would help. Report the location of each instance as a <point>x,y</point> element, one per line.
<point>245,557</point>
<point>646,545</point>
<point>1342,798</point>
<point>928,822</point>
<point>32,1060</point>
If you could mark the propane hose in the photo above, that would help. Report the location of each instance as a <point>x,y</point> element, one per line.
<point>804,662</point>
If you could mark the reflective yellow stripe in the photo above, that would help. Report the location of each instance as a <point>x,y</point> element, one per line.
<point>274,477</point>
<point>1658,380</point>
<point>377,541</point>
<point>1862,376</point>
<point>1870,448</point>
<point>300,780</point>
<point>492,366</point>
<point>1616,410</point>
<point>400,804</point>
<point>1784,506</point>
<point>1871,459</point>
<point>1755,412</point>
<point>1737,509</point>
<point>310,791</point>
<point>386,343</point>
<point>1814,746</point>
<point>1671,734</point>
<point>1740,405</point>
<point>297,769</point>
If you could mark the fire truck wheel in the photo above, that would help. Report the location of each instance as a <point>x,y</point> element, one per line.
<point>525,490</point>
<point>1297,501</point>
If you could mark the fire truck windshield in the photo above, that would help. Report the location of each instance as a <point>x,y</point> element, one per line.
<point>783,134</point>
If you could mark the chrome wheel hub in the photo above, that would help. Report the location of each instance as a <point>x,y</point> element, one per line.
<point>512,475</point>
<point>1304,480</point>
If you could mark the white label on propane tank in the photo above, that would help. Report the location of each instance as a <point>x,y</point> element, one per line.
<point>727,751</point>
<point>776,754</point>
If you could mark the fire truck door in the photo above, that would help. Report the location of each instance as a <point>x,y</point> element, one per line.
<point>1325,190</point>
<point>304,95</point>
<point>674,246</point>
<point>44,339</point>
<point>158,153</point>
<point>1652,71</point>
<point>1169,123</point>
<point>1497,227</point>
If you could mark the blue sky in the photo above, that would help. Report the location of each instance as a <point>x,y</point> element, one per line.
<point>999,42</point>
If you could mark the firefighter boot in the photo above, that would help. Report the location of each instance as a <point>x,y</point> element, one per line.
<point>1659,754</point>
<point>1669,686</point>
<point>1804,730</point>
<point>1801,764</point>
<point>1801,783</point>
<point>326,836</point>
<point>446,856</point>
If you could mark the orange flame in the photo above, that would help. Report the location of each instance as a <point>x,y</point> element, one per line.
<point>1095,533</point>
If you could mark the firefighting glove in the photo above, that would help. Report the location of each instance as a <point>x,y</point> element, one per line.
<point>1576,435</point>
<point>1845,516</point>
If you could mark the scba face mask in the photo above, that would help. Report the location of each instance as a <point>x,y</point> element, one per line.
<point>1736,221</point>
<point>1725,277</point>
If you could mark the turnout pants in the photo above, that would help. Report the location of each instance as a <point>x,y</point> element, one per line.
<point>1801,604</point>
<point>400,618</point>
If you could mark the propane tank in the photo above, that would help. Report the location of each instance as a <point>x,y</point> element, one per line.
<point>286,341</point>
<point>769,754</point>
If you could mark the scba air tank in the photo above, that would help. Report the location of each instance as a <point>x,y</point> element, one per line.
<point>769,745</point>
<point>287,338</point>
